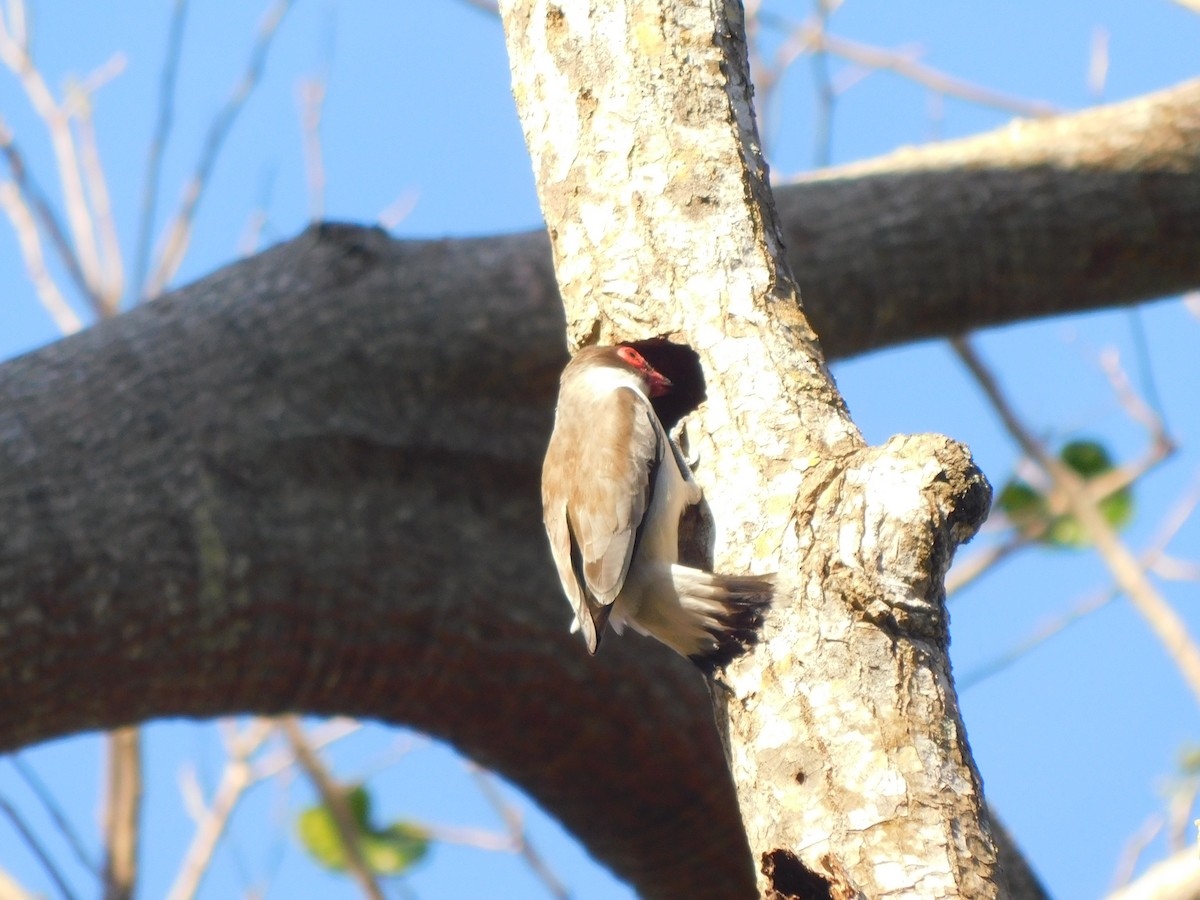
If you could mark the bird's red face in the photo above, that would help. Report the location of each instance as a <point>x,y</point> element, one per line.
<point>659,383</point>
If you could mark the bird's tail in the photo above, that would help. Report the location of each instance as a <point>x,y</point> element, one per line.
<point>715,618</point>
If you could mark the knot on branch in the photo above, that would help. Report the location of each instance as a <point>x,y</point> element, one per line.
<point>902,509</point>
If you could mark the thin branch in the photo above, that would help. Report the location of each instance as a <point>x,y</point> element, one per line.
<point>517,833</point>
<point>14,53</point>
<point>1134,848</point>
<point>933,79</point>
<point>30,242</point>
<point>50,804</point>
<point>1171,524</point>
<point>236,778</point>
<point>311,96</point>
<point>983,561</point>
<point>122,810</point>
<point>111,273</point>
<point>903,65</point>
<point>1098,59</point>
<point>1130,575</point>
<point>34,845</point>
<point>179,230</point>
<point>1100,488</point>
<point>333,796</point>
<point>399,209</point>
<point>823,138</point>
<point>311,99</point>
<point>34,198</point>
<point>11,890</point>
<point>1039,636</point>
<point>162,131</point>
<point>1171,569</point>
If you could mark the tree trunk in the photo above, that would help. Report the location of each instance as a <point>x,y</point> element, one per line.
<point>308,483</point>
<point>853,771</point>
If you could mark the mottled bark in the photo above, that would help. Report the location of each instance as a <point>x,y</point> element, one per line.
<point>308,482</point>
<point>851,762</point>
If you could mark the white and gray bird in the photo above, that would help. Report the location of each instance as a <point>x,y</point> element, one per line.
<point>613,488</point>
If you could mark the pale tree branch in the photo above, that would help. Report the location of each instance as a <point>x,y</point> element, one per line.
<point>158,143</point>
<point>61,822</point>
<point>11,890</point>
<point>310,95</point>
<point>211,822</point>
<point>333,797</point>
<point>122,808</point>
<point>1099,487</point>
<point>111,273</point>
<point>14,53</point>
<point>177,236</point>
<point>31,840</point>
<point>32,197</point>
<point>19,215</point>
<point>1129,573</point>
<point>240,774</point>
<point>812,36</point>
<point>1151,559</point>
<point>518,836</point>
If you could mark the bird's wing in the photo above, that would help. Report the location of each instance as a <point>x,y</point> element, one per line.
<point>597,485</point>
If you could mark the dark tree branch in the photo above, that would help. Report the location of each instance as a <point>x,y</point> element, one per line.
<point>309,483</point>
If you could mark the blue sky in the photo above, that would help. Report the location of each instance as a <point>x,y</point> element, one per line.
<point>1077,742</point>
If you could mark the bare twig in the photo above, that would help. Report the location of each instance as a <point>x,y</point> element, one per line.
<point>399,209</point>
<point>162,131</point>
<point>903,65</point>
<point>333,796</point>
<point>1039,636</point>
<point>311,93</point>
<point>983,561</point>
<point>1134,848</point>
<point>1179,813</point>
<point>517,834</point>
<point>121,815</point>
<point>823,138</point>
<point>311,98</point>
<point>11,890</point>
<point>14,53</point>
<point>111,274</point>
<point>36,847</point>
<point>1171,569</point>
<point>1175,519</point>
<point>34,199</point>
<point>933,79</point>
<point>1129,574</point>
<point>1100,488</point>
<point>1097,75</point>
<point>179,230</point>
<point>1176,877</point>
<point>61,822</point>
<point>30,241</point>
<point>235,779</point>
<point>240,774</point>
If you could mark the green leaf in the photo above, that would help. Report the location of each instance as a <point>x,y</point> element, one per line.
<point>1026,507</point>
<point>1021,504</point>
<point>1086,458</point>
<point>319,836</point>
<point>1189,759</point>
<point>387,851</point>
<point>396,849</point>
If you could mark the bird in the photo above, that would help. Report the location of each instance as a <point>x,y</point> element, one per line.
<point>614,486</point>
